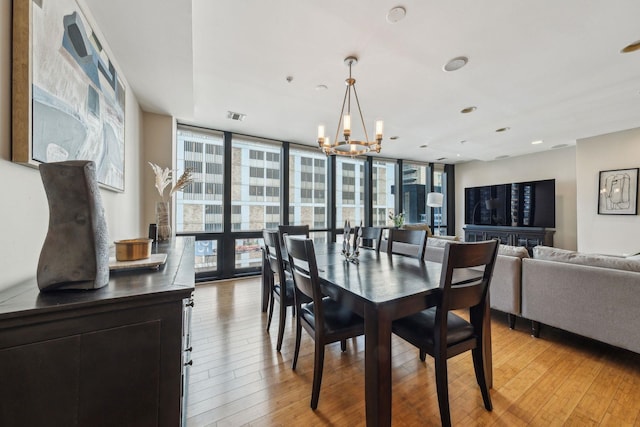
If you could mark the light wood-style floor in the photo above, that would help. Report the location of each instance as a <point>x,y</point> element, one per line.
<point>238,378</point>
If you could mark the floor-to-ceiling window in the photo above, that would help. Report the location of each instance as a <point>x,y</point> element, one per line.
<point>244,184</point>
<point>383,191</point>
<point>349,190</point>
<point>199,207</point>
<point>308,186</point>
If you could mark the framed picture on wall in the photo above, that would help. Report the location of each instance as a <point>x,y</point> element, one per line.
<point>618,192</point>
<point>68,97</point>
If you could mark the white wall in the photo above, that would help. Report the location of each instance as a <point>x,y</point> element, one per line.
<point>557,164</point>
<point>613,234</point>
<point>24,214</point>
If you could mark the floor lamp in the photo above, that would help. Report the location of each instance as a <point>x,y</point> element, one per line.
<point>434,200</point>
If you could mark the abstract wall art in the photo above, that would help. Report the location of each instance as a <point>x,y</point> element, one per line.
<point>68,97</point>
<point>618,192</point>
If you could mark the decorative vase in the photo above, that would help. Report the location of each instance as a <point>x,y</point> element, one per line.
<point>75,253</point>
<point>163,220</point>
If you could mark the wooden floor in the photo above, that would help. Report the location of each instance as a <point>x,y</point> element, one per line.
<point>238,378</point>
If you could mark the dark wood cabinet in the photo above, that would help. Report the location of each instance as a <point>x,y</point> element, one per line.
<point>105,357</point>
<point>514,236</point>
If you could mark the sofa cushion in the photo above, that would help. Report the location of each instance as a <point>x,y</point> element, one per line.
<point>440,241</point>
<point>517,251</point>
<point>562,255</point>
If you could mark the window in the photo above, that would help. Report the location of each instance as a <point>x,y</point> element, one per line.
<point>193,204</point>
<point>307,184</point>
<point>349,190</point>
<point>255,181</point>
<point>384,179</point>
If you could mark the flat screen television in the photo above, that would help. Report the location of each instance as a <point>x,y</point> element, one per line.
<point>519,204</point>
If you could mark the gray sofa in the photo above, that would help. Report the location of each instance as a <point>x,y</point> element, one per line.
<point>591,295</point>
<point>505,290</point>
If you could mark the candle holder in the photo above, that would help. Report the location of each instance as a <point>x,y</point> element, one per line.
<point>349,251</point>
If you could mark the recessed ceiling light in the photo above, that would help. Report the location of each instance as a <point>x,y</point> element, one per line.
<point>536,142</point>
<point>468,110</point>
<point>631,48</point>
<point>322,87</point>
<point>236,116</point>
<point>424,145</point>
<point>456,63</point>
<point>504,156</point>
<point>560,146</point>
<point>503,129</point>
<point>458,155</point>
<point>393,138</point>
<point>396,14</point>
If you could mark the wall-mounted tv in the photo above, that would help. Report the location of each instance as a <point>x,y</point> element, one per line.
<point>520,204</point>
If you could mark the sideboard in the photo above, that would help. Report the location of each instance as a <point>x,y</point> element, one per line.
<point>514,236</point>
<point>105,357</point>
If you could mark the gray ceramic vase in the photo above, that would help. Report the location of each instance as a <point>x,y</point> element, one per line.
<point>75,253</point>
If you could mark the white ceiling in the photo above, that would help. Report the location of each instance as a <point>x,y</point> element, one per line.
<point>549,70</point>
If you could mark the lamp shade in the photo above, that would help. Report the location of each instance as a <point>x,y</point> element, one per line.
<point>434,200</point>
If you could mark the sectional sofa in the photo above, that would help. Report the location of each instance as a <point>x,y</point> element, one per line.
<point>596,296</point>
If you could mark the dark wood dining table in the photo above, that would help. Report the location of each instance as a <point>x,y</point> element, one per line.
<point>382,288</point>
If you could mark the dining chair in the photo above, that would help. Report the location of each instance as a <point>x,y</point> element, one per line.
<point>266,278</point>
<point>411,242</point>
<point>326,320</point>
<point>443,334</point>
<point>371,237</point>
<point>282,287</point>
<point>292,230</point>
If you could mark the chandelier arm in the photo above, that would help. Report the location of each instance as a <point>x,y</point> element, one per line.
<point>335,141</point>
<point>366,136</point>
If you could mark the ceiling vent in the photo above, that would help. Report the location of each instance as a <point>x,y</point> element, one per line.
<point>235,116</point>
<point>441,159</point>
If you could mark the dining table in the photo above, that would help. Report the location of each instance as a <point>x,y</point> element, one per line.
<point>382,287</point>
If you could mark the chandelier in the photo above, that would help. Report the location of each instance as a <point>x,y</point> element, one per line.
<point>348,146</point>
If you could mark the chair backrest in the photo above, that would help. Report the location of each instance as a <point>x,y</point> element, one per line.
<point>292,230</point>
<point>273,251</point>
<point>412,242</point>
<point>302,261</point>
<point>467,293</point>
<point>371,237</point>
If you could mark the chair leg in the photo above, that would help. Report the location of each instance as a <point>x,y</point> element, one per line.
<point>317,374</point>
<point>343,345</point>
<point>272,301</point>
<point>478,367</point>
<point>442,387</point>
<point>283,318</point>
<point>423,355</point>
<point>296,351</point>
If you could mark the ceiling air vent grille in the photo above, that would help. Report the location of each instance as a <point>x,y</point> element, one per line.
<point>441,159</point>
<point>235,116</point>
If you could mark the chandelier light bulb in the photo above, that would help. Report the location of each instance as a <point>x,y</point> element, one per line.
<point>379,129</point>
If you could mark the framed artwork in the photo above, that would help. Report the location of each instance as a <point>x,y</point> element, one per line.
<point>68,99</point>
<point>618,192</point>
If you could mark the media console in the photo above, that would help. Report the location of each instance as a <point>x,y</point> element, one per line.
<point>514,236</point>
